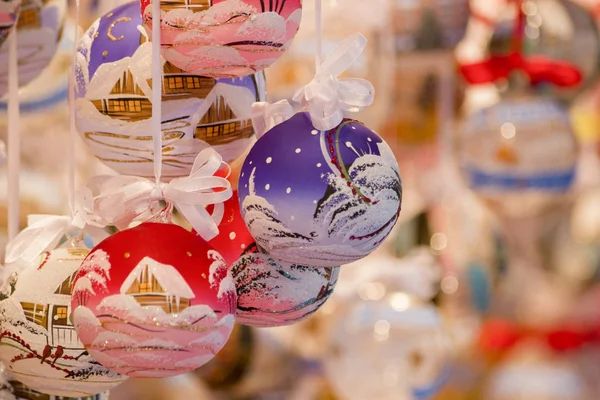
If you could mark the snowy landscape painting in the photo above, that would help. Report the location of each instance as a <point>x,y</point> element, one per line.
<point>153,326</point>
<point>38,342</point>
<point>320,198</point>
<point>225,38</point>
<point>278,294</point>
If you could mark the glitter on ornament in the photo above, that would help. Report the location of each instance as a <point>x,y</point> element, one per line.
<point>153,301</point>
<point>38,342</point>
<point>225,38</point>
<point>113,108</point>
<point>350,170</point>
<point>272,293</point>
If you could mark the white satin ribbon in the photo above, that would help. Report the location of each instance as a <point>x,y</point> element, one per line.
<point>265,116</point>
<point>43,233</point>
<point>119,200</point>
<point>327,97</point>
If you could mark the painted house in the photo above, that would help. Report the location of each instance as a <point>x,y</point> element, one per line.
<point>154,284</point>
<point>47,302</point>
<point>219,124</point>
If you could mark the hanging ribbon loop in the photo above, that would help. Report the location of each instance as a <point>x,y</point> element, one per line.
<point>266,116</point>
<point>119,200</point>
<point>327,97</point>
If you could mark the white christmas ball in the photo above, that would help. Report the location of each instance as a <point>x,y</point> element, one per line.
<point>38,342</point>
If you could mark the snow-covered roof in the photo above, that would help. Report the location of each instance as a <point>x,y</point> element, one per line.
<point>239,99</point>
<point>168,277</point>
<point>37,284</point>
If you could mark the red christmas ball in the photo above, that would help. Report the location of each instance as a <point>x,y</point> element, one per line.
<point>234,236</point>
<point>153,301</point>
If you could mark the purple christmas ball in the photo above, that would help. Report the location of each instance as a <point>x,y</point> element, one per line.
<point>322,199</point>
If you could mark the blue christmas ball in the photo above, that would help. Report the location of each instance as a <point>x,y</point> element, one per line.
<point>320,198</point>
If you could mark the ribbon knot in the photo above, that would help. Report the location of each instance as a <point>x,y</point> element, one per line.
<point>43,233</point>
<point>327,97</point>
<point>265,116</point>
<point>539,69</point>
<point>120,200</point>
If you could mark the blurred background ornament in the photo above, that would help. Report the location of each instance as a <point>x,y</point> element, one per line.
<point>531,372</point>
<point>225,38</point>
<point>38,31</point>
<point>113,105</point>
<point>520,155</point>
<point>272,293</point>
<point>155,276</point>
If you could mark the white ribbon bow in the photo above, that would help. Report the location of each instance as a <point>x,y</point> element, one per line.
<point>328,97</point>
<point>265,116</point>
<point>122,199</point>
<point>43,233</point>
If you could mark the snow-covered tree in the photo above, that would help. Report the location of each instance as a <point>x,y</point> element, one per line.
<point>220,276</point>
<point>92,276</point>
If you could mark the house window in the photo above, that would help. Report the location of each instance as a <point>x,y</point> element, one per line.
<point>28,17</point>
<point>146,287</point>
<point>61,312</point>
<point>175,82</point>
<point>134,105</point>
<point>229,129</point>
<point>193,82</point>
<point>212,131</point>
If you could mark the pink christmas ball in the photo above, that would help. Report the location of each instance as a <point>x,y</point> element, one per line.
<point>225,38</point>
<point>153,301</point>
<point>273,293</point>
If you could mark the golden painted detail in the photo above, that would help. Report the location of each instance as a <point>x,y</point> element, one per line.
<point>78,252</point>
<point>126,255</point>
<point>110,14</point>
<point>36,313</point>
<point>112,26</point>
<point>204,276</point>
<point>104,53</point>
<point>189,254</point>
<point>181,327</point>
<point>165,161</point>
<point>196,5</point>
<point>96,35</point>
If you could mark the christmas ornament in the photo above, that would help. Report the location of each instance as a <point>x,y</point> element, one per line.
<point>272,293</point>
<point>225,38</point>
<point>425,33</point>
<point>113,106</point>
<point>537,37</point>
<point>232,363</point>
<point>519,155</point>
<point>38,30</point>
<point>153,301</point>
<point>233,236</point>
<point>399,341</point>
<point>9,12</point>
<point>38,342</point>
<point>320,198</point>
<point>529,372</point>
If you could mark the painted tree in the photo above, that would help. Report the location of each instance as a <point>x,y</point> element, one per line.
<point>219,276</point>
<point>91,277</point>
